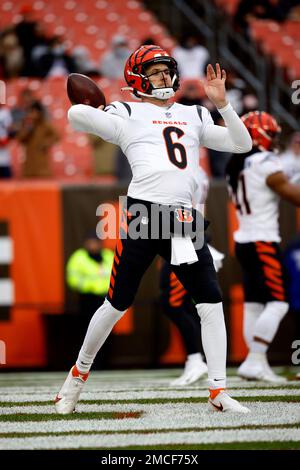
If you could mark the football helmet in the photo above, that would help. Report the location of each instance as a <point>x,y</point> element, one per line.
<point>135,72</point>
<point>263,129</point>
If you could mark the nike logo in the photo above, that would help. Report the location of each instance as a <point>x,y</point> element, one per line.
<point>217,407</point>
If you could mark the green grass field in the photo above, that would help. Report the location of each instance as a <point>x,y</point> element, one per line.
<point>139,410</point>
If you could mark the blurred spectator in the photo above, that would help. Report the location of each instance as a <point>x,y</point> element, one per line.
<point>56,62</point>
<point>191,93</point>
<point>113,62</point>
<point>26,32</point>
<point>5,157</point>
<point>25,100</point>
<point>249,10</point>
<point>104,155</point>
<point>88,273</point>
<point>191,58</point>
<point>83,61</point>
<point>290,158</point>
<point>41,46</point>
<point>37,135</point>
<point>11,54</point>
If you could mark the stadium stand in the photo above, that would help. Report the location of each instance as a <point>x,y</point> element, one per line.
<point>279,40</point>
<point>282,41</point>
<point>79,23</point>
<point>93,24</point>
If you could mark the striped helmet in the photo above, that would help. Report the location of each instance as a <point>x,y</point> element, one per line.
<point>262,127</point>
<point>135,74</point>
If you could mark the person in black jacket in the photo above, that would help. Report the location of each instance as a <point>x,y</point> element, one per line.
<point>55,62</point>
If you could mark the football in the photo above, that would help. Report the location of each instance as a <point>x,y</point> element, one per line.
<point>83,90</point>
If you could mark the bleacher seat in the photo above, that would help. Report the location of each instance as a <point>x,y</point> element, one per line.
<point>91,24</point>
<point>281,41</point>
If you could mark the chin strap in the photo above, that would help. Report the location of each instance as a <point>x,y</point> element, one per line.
<point>162,93</point>
<point>158,93</point>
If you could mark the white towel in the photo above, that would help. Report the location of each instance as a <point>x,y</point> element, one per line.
<point>183,250</point>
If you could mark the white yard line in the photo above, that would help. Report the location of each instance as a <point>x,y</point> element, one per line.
<point>125,387</point>
<point>100,394</point>
<point>171,416</point>
<point>134,385</point>
<point>132,378</point>
<point>122,440</point>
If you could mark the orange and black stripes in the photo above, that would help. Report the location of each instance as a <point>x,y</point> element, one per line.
<point>272,269</point>
<point>177,291</point>
<point>118,253</point>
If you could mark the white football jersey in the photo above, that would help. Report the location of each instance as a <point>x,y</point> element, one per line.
<point>257,205</point>
<point>162,143</point>
<point>162,147</point>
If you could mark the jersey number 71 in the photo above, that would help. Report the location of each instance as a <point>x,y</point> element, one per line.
<point>242,203</point>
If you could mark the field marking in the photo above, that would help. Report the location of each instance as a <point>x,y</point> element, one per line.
<point>32,395</point>
<point>123,440</point>
<point>164,417</point>
<point>274,417</point>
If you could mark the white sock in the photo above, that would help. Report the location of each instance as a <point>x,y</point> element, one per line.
<point>98,330</point>
<point>214,342</point>
<point>252,311</point>
<point>267,325</point>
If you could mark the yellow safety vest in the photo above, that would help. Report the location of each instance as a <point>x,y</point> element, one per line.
<point>87,276</point>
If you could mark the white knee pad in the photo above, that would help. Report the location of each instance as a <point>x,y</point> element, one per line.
<point>268,322</point>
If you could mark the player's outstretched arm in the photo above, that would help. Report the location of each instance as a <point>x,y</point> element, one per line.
<point>95,121</point>
<point>280,184</point>
<point>233,138</point>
